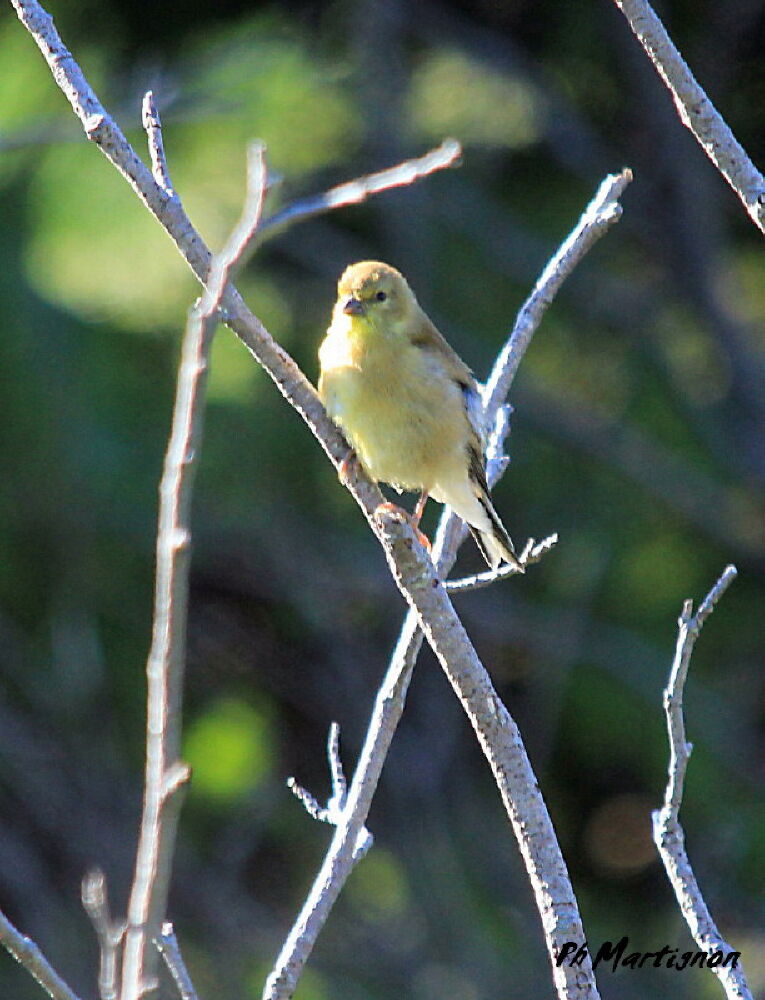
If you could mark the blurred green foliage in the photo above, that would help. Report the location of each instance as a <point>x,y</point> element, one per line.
<point>637,434</point>
<point>229,749</point>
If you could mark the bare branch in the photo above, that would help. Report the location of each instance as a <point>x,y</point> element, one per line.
<point>101,129</point>
<point>603,211</point>
<point>358,190</point>
<point>333,812</point>
<point>532,553</point>
<point>165,773</point>
<point>599,215</point>
<point>667,832</point>
<point>168,947</point>
<point>29,955</point>
<point>153,127</point>
<point>339,784</point>
<point>696,111</point>
<point>503,747</point>
<point>109,933</point>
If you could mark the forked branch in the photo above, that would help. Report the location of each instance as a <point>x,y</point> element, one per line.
<point>667,832</point>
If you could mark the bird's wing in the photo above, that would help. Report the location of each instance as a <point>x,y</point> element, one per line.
<point>476,417</point>
<point>425,336</point>
<point>428,338</point>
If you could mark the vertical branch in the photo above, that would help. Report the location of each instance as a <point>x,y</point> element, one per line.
<point>110,934</point>
<point>695,109</point>
<point>165,773</point>
<point>667,832</point>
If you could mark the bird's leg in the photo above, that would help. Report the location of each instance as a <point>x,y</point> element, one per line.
<point>343,473</point>
<point>418,510</point>
<point>416,518</point>
<point>413,519</point>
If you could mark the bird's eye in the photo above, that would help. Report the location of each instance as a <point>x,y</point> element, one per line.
<point>381,296</point>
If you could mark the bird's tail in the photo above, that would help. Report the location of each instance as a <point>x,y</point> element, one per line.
<point>495,544</point>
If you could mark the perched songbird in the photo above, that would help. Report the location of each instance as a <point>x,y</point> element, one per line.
<point>409,406</point>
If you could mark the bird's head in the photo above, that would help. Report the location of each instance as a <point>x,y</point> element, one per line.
<point>375,294</point>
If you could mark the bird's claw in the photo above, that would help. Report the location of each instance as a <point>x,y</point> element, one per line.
<point>344,470</point>
<point>422,538</point>
<point>393,509</point>
<point>400,514</point>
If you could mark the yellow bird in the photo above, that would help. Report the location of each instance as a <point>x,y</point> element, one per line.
<point>408,405</point>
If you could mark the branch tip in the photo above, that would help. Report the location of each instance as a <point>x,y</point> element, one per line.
<point>93,890</point>
<point>167,945</point>
<point>355,191</point>
<point>153,128</point>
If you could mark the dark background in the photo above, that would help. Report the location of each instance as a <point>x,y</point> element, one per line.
<point>638,436</point>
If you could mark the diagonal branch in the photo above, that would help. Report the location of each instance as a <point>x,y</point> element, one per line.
<point>358,190</point>
<point>695,109</point>
<point>169,949</point>
<point>667,832</point>
<point>29,955</point>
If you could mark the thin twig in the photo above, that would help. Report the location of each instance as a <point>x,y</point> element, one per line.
<point>153,128</point>
<point>336,770</point>
<point>101,129</point>
<point>696,111</point>
<point>109,933</point>
<point>354,192</point>
<point>532,553</point>
<point>333,812</point>
<point>26,953</point>
<point>165,773</point>
<point>338,862</point>
<point>668,833</point>
<point>168,947</point>
<point>602,212</point>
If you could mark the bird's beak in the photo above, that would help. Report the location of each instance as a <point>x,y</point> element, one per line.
<point>353,307</point>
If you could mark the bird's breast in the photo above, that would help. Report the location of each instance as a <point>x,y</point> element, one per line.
<point>404,424</point>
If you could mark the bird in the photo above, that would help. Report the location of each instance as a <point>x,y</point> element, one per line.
<point>409,406</point>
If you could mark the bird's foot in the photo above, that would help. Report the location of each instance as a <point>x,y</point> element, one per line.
<point>422,538</point>
<point>403,515</point>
